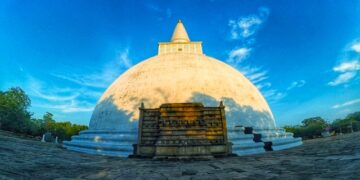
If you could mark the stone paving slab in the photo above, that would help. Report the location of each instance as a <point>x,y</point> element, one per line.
<point>326,158</point>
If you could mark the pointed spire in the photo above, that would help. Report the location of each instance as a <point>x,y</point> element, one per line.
<point>180,34</point>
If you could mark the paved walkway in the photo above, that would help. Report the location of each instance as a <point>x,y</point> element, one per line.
<point>326,158</point>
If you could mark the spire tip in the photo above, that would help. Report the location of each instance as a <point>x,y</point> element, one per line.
<point>180,34</point>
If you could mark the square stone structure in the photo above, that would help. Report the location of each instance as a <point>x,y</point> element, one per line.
<point>182,130</point>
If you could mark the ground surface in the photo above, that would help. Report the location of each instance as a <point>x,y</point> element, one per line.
<point>326,158</point>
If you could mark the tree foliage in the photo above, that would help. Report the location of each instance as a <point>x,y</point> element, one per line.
<point>14,116</point>
<point>313,127</point>
<point>13,110</point>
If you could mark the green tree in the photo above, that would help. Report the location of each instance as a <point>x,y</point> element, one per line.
<point>13,110</point>
<point>49,122</point>
<point>355,116</point>
<point>350,123</point>
<point>15,117</point>
<point>310,128</point>
<point>315,121</point>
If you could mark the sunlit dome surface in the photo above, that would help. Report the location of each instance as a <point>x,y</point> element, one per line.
<point>180,73</point>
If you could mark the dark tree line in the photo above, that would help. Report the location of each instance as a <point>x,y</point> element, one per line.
<point>313,127</point>
<point>15,117</point>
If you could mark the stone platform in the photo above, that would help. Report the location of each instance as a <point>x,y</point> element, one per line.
<point>244,144</point>
<point>120,143</point>
<point>277,139</point>
<point>109,143</point>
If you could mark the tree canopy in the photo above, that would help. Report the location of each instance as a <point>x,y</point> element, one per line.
<point>14,116</point>
<point>313,127</point>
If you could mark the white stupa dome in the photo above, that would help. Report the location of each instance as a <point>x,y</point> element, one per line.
<point>181,73</point>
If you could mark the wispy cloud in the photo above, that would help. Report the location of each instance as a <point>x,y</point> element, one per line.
<point>296,84</point>
<point>356,47</point>
<point>263,85</point>
<point>238,54</point>
<point>72,106</point>
<point>104,77</point>
<point>273,95</point>
<point>161,13</point>
<point>64,99</point>
<point>168,13</point>
<point>243,31</point>
<point>348,68</point>
<point>69,99</point>
<point>255,74</point>
<point>348,103</point>
<point>37,89</point>
<point>153,7</point>
<point>342,78</point>
<point>258,76</point>
<point>246,26</point>
<point>348,71</point>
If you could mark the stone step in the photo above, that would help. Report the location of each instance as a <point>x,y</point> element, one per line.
<point>244,142</point>
<point>249,151</point>
<point>269,130</point>
<point>99,145</point>
<point>106,138</point>
<point>247,146</point>
<point>292,144</point>
<point>284,135</point>
<point>282,140</point>
<point>99,152</point>
<point>241,138</point>
<point>108,132</point>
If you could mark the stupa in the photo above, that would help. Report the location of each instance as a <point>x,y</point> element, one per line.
<point>179,73</point>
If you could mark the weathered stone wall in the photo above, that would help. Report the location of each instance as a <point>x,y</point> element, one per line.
<point>182,130</point>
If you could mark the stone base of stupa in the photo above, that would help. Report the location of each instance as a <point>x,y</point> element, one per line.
<point>277,139</point>
<point>120,143</point>
<point>101,142</point>
<point>244,144</point>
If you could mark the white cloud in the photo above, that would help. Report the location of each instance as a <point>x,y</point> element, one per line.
<point>168,13</point>
<point>153,7</point>
<point>36,89</point>
<point>342,78</point>
<point>68,100</point>
<point>105,76</point>
<point>91,80</point>
<point>64,99</point>
<point>263,85</point>
<point>245,27</point>
<point>296,84</point>
<point>356,47</point>
<point>243,30</point>
<point>254,74</point>
<point>78,109</point>
<point>348,71</point>
<point>69,107</point>
<point>237,55</point>
<point>160,12</point>
<point>347,66</point>
<point>348,103</point>
<point>273,95</point>
<point>258,77</point>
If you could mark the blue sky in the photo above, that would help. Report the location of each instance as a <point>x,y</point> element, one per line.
<point>304,56</point>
